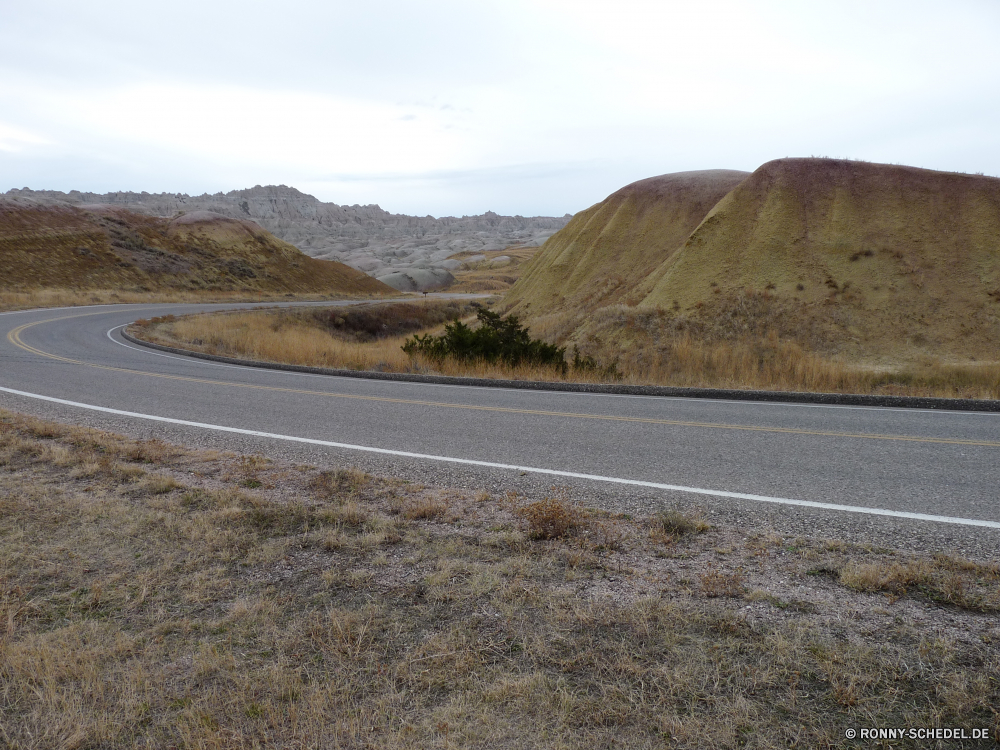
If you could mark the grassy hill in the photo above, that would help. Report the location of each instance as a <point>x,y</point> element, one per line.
<point>608,250</point>
<point>892,260</point>
<point>806,274</point>
<point>873,265</point>
<point>103,248</point>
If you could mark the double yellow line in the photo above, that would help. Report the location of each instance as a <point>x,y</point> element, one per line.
<point>14,336</point>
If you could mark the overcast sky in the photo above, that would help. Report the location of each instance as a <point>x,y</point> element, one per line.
<point>540,107</point>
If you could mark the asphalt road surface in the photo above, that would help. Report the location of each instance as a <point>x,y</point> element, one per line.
<point>902,478</point>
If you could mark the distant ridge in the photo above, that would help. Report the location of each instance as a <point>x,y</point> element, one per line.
<point>364,237</point>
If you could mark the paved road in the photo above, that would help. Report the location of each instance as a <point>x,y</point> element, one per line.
<point>733,459</point>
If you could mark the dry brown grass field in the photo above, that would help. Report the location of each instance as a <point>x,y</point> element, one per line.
<point>307,337</point>
<point>740,349</point>
<point>156,596</point>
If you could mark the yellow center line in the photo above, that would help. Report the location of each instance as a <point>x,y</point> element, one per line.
<point>14,336</point>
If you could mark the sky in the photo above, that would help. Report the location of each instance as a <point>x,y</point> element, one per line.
<point>453,108</point>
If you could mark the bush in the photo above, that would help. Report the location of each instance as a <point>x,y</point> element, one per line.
<point>676,523</point>
<point>587,363</point>
<point>495,340</point>
<point>551,518</point>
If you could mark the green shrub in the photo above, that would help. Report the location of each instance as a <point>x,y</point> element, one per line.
<point>495,340</point>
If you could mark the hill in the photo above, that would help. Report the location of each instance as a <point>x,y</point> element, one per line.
<point>878,263</point>
<point>406,250</point>
<point>103,247</point>
<point>607,251</point>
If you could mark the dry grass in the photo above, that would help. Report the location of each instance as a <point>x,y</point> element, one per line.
<point>147,599</point>
<point>754,340</point>
<point>308,338</point>
<point>943,579</point>
<point>675,523</point>
<point>482,276</point>
<point>745,345</point>
<point>551,518</point>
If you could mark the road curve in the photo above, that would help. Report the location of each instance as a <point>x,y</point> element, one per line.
<point>898,477</point>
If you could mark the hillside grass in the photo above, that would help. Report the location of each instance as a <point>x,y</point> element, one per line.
<point>152,595</point>
<point>874,278</point>
<point>609,249</point>
<point>753,340</point>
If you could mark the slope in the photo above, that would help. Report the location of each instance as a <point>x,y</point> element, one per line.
<point>877,260</point>
<point>102,247</point>
<point>608,250</point>
<point>365,237</point>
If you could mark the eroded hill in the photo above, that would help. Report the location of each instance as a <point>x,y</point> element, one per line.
<point>101,247</point>
<point>874,263</point>
<point>608,250</point>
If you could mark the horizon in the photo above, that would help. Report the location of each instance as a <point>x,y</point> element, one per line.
<point>227,193</point>
<point>445,109</point>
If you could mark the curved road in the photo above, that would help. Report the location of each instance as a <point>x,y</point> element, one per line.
<point>898,477</point>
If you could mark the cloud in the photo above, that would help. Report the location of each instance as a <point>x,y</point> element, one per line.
<point>16,141</point>
<point>444,103</point>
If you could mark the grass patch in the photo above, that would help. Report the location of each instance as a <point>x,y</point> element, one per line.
<point>678,523</point>
<point>148,597</point>
<point>941,578</point>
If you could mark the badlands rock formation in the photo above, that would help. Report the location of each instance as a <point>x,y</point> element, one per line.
<point>408,252</point>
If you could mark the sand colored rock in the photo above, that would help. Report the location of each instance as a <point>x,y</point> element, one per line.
<point>418,279</point>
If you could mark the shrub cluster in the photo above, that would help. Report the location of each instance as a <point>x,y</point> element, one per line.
<point>495,340</point>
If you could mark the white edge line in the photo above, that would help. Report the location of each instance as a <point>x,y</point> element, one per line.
<point>529,469</point>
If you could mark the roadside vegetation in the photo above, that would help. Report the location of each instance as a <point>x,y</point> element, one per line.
<point>495,339</point>
<point>152,595</point>
<point>744,345</point>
